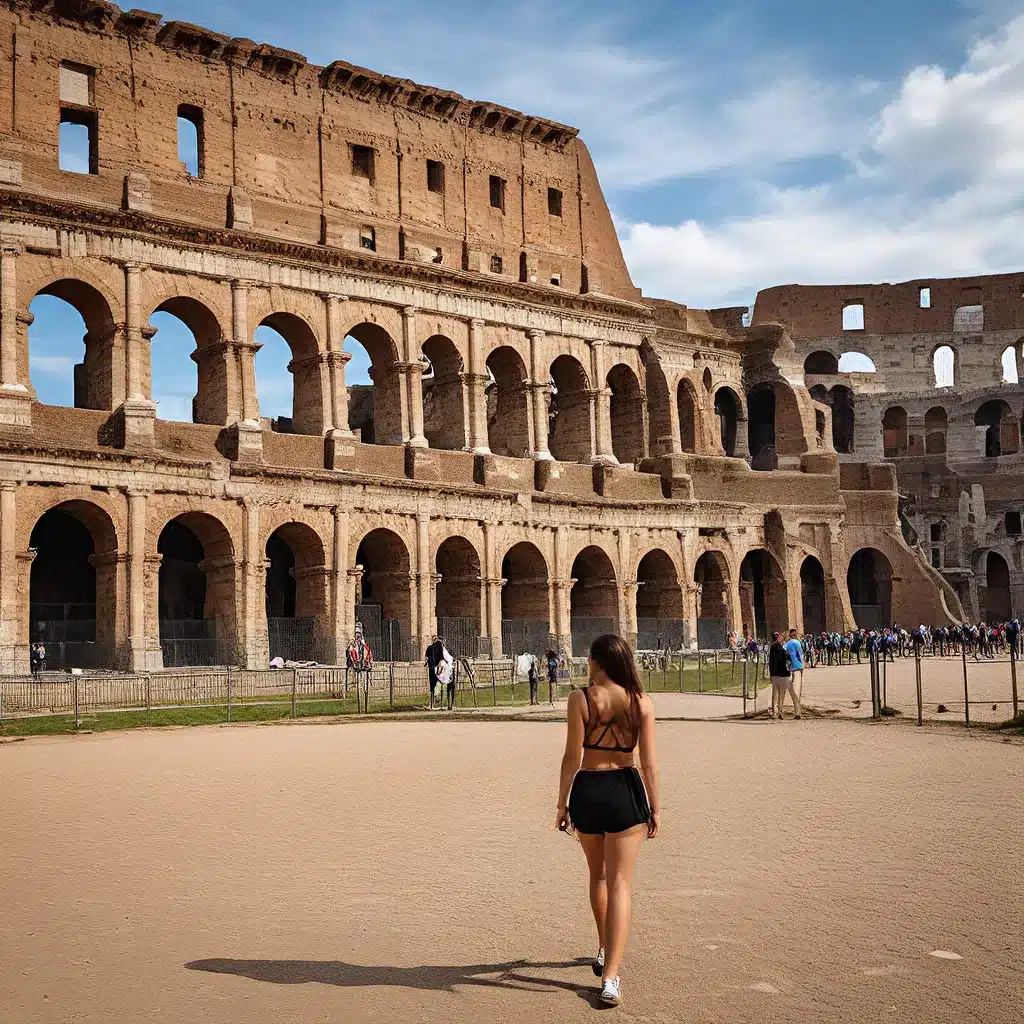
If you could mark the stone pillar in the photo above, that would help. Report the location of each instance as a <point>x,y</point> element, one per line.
<point>475,385</point>
<point>601,448</point>
<point>13,603</point>
<point>342,614</point>
<point>624,575</point>
<point>247,415</point>
<point>138,411</point>
<point>144,652</point>
<point>253,643</point>
<point>539,394</point>
<point>560,591</point>
<point>336,363</point>
<point>674,440</point>
<point>491,584</point>
<point>691,596</point>
<point>15,398</point>
<point>629,626</point>
<point>414,378</point>
<point>742,439</point>
<point>425,610</point>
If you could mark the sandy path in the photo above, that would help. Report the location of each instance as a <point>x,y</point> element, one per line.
<point>396,872</point>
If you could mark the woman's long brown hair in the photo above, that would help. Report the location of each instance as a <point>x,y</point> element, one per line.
<point>615,658</point>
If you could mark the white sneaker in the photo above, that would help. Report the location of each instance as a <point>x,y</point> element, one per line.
<point>610,991</point>
<point>598,963</point>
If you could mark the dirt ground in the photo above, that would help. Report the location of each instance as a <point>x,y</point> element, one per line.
<point>410,871</point>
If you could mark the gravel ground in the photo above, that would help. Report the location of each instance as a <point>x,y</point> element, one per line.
<point>410,871</point>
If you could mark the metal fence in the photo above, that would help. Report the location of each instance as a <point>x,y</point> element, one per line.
<point>585,630</point>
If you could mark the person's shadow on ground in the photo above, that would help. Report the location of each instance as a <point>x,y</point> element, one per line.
<point>427,978</point>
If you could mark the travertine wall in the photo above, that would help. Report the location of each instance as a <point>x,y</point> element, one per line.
<point>543,454</point>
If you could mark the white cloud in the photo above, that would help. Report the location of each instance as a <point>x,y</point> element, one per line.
<point>53,366</point>
<point>933,189</point>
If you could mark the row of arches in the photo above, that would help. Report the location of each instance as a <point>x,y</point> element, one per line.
<point>73,605</point>
<point>1003,432</point>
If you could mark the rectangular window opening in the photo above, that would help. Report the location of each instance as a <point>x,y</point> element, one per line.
<point>368,238</point>
<point>190,139</point>
<point>853,316</point>
<point>556,280</point>
<point>555,202</point>
<point>1013,524</point>
<point>936,532</point>
<point>496,265</point>
<point>362,162</point>
<point>77,84</point>
<point>498,193</point>
<point>435,176</point>
<point>78,147</point>
<point>925,296</point>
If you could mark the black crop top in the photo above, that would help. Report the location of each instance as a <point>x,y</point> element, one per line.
<point>618,729</point>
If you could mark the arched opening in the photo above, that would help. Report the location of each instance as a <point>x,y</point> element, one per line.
<point>570,438</point>
<point>458,596</point>
<point>375,401</point>
<point>998,603</point>
<point>707,380</point>
<point>593,600</point>
<point>62,370</point>
<point>711,574</point>
<point>761,427</point>
<point>508,409</point>
<point>764,598</point>
<point>821,364</point>
<point>944,365</point>
<point>196,592</point>
<point>525,610</point>
<point>894,432</point>
<point>296,594</point>
<point>1008,361</point>
<point>658,416</point>
<point>444,412</point>
<point>190,377</point>
<point>190,139</point>
<point>73,587</point>
<point>659,604</point>
<point>727,410</point>
<point>853,316</point>
<point>935,427</point>
<point>841,400</point>
<point>627,415</point>
<point>1001,431</point>
<point>686,404</point>
<point>290,382</point>
<point>856,362</point>
<point>869,582</point>
<point>385,596</point>
<point>812,595</point>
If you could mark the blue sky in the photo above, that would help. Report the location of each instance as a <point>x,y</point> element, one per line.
<point>740,144</point>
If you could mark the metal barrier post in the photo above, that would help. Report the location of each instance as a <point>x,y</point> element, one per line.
<point>391,685</point>
<point>1,701</point>
<point>358,708</point>
<point>700,672</point>
<point>494,689</point>
<point>1013,677</point>
<point>873,668</point>
<point>917,670</point>
<point>149,699</point>
<point>885,678</point>
<point>718,686</point>
<point>744,688</point>
<point>682,670</point>
<point>78,721</point>
<point>295,677</point>
<point>967,701</point>
<point>229,693</point>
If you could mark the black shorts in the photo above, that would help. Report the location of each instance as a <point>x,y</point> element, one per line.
<point>608,801</point>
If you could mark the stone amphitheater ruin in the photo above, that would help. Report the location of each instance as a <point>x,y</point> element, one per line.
<point>544,453</point>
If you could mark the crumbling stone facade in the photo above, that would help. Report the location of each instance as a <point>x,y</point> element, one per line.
<point>944,406</point>
<point>544,454</point>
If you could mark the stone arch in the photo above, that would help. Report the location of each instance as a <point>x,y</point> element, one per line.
<point>508,404</point>
<point>761,403</point>
<point>997,603</point>
<point>764,593</point>
<point>936,424</point>
<point>714,619</point>
<point>894,432</point>
<point>296,592</point>
<point>821,364</point>
<point>377,410</point>
<point>196,591</point>
<point>812,595</point>
<point>869,583</point>
<point>216,385</point>
<point>728,412</point>
<point>688,407</point>
<point>458,601</point>
<point>73,586</point>
<point>525,607</point>
<point>659,602</point>
<point>1002,434</point>
<point>384,599</point>
<point>627,414</point>
<point>570,437</point>
<point>309,381</point>
<point>444,411</point>
<point>594,598</point>
<point>98,380</point>
<point>659,420</point>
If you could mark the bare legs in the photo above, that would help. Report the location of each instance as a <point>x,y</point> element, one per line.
<point>611,860</point>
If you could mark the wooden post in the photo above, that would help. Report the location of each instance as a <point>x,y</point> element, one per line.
<point>744,687</point>
<point>1013,675</point>
<point>917,672</point>
<point>967,700</point>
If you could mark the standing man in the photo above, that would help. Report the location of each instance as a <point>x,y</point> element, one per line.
<point>782,680</point>
<point>435,655</point>
<point>795,650</point>
<point>552,665</point>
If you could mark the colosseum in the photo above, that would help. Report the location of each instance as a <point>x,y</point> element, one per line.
<point>543,453</point>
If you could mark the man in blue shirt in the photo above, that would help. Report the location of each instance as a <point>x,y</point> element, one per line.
<point>795,651</point>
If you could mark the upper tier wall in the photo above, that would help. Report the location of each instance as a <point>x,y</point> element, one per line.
<point>277,138</point>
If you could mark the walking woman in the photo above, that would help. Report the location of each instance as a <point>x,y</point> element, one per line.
<point>612,806</point>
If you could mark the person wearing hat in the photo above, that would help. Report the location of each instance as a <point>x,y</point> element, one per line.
<point>781,677</point>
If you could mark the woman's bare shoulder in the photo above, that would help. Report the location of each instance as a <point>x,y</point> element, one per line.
<point>647,706</point>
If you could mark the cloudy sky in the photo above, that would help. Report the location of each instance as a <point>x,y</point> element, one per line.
<point>741,144</point>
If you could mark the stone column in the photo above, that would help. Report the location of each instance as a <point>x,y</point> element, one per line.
<point>691,595</point>
<point>13,645</point>
<point>674,440</point>
<point>341,614</point>
<point>15,399</point>
<point>742,439</point>
<point>138,410</point>
<point>628,625</point>
<point>336,364</point>
<point>560,591</point>
<point>414,378</point>
<point>491,584</point>
<point>247,415</point>
<point>475,384</point>
<point>425,614</point>
<point>539,405</point>
<point>143,644</point>
<point>601,447</point>
<point>253,642</point>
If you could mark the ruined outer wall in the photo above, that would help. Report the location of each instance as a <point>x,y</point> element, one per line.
<point>276,148</point>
